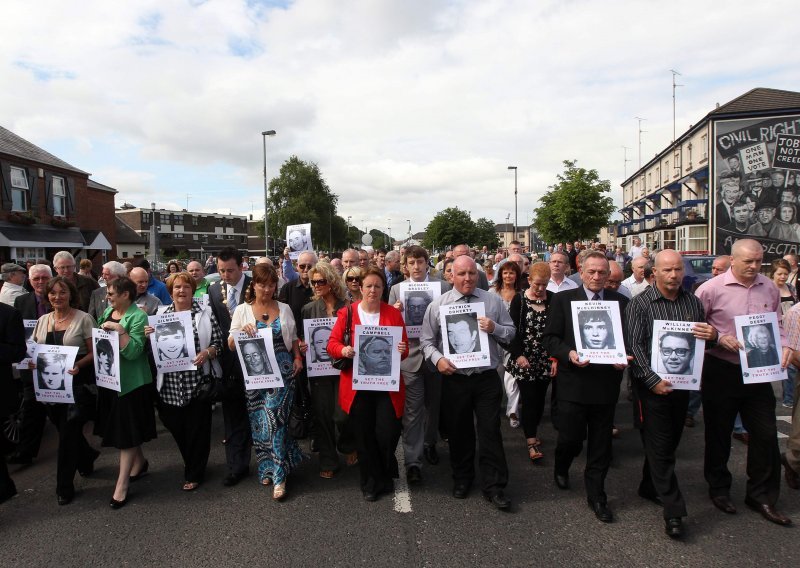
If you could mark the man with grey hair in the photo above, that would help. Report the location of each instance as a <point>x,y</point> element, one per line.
<point>13,279</point>
<point>391,268</point>
<point>98,302</point>
<point>32,306</point>
<point>64,264</point>
<point>145,300</point>
<point>637,283</point>
<point>297,291</point>
<point>349,258</point>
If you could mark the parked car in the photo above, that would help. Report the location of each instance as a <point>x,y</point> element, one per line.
<point>697,269</point>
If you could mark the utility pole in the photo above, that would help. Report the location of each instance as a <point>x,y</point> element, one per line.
<point>674,131</point>
<point>625,160</point>
<point>640,139</point>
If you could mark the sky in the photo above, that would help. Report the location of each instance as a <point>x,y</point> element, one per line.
<point>407,107</point>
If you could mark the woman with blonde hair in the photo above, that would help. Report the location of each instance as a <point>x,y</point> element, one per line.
<point>352,282</point>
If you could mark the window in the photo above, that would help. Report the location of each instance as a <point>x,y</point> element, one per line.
<point>145,217</point>
<point>19,189</point>
<point>693,238</point>
<point>165,218</point>
<point>195,236</point>
<point>59,197</point>
<point>705,146</point>
<point>677,163</point>
<point>666,171</point>
<point>178,235</point>
<point>195,220</point>
<point>178,219</point>
<point>124,254</point>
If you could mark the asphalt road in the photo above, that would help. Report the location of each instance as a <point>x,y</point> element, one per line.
<point>326,523</point>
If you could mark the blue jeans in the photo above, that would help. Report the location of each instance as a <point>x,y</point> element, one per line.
<point>788,386</point>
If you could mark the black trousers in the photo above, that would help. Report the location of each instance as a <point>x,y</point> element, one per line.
<point>592,422</point>
<point>377,431</point>
<point>190,425</point>
<point>662,419</point>
<point>32,419</point>
<point>532,396</point>
<point>74,452</point>
<point>328,417</point>
<point>237,428</point>
<point>725,395</point>
<point>470,403</point>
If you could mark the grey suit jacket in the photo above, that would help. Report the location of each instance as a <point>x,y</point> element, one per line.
<point>98,302</point>
<point>413,362</point>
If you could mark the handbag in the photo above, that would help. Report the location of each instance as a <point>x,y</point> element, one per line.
<point>301,417</point>
<point>344,363</point>
<point>210,388</point>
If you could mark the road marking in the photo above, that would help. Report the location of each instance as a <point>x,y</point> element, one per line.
<point>788,419</point>
<point>402,497</point>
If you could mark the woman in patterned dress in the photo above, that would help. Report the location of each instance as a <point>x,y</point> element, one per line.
<point>529,362</point>
<point>277,453</point>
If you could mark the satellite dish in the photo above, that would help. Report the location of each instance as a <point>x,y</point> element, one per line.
<point>366,239</point>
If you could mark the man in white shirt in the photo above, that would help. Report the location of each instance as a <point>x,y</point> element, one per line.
<point>637,283</point>
<point>13,278</point>
<point>558,265</point>
<point>636,249</point>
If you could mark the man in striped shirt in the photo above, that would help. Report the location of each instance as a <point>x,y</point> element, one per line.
<point>660,410</point>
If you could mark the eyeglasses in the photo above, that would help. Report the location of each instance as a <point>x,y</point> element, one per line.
<point>322,282</point>
<point>680,352</point>
<point>353,279</point>
<point>305,266</point>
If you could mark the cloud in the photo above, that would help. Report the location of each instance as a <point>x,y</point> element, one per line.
<point>407,107</point>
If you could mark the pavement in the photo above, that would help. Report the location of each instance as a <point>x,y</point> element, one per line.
<point>327,523</point>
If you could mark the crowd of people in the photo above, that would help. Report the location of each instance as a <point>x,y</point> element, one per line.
<point>534,340</point>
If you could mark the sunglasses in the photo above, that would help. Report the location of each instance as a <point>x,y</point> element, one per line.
<point>353,279</point>
<point>322,282</point>
<point>304,266</point>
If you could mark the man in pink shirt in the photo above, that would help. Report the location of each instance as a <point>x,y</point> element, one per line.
<point>740,291</point>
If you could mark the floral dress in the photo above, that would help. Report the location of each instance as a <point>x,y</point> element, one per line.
<point>532,347</point>
<point>277,453</point>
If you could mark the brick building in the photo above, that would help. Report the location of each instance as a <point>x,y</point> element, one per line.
<point>47,205</point>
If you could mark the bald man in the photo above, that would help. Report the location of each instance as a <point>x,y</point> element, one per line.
<point>463,250</point>
<point>198,273</point>
<point>661,410</point>
<point>742,290</point>
<point>637,283</point>
<point>146,301</point>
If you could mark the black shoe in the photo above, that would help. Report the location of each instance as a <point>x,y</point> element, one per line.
<point>413,474</point>
<point>601,511</point>
<point>431,455</point>
<point>562,481</point>
<point>768,512</point>
<point>142,473</point>
<point>65,499</point>
<point>233,479</point>
<point>651,496</point>
<point>369,496</point>
<point>89,469</point>
<point>19,459</point>
<point>499,500</point>
<point>118,504</point>
<point>461,490</point>
<point>673,527</point>
<point>724,504</point>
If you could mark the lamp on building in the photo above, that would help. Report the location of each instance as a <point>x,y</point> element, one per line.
<point>266,192</point>
<point>516,222</point>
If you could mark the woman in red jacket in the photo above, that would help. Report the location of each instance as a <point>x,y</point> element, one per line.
<point>375,414</point>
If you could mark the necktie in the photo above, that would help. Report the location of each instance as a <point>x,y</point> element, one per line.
<point>596,297</point>
<point>232,300</point>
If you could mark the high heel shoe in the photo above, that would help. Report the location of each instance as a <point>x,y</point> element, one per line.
<point>142,473</point>
<point>118,504</point>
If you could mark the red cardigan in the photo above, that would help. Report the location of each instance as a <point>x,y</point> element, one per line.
<point>389,316</point>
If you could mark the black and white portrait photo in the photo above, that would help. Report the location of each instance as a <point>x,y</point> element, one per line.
<point>171,341</point>
<point>254,354</point>
<point>415,306</point>
<point>375,355</point>
<point>318,344</point>
<point>104,357</point>
<point>52,370</point>
<point>760,346</point>
<point>596,331</point>
<point>676,353</point>
<point>462,332</point>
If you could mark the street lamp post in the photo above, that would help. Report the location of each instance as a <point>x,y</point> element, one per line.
<point>391,247</point>
<point>507,218</point>
<point>266,192</point>
<point>516,222</point>
<point>348,230</point>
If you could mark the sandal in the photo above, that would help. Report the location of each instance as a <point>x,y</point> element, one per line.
<point>326,474</point>
<point>190,485</point>
<point>266,482</point>
<point>279,492</point>
<point>352,458</point>
<point>534,453</point>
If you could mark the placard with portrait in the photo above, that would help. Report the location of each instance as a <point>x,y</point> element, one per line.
<point>463,342</point>
<point>416,297</point>
<point>173,342</point>
<point>317,332</point>
<point>676,354</point>
<point>598,332</point>
<point>761,356</point>
<point>257,359</point>
<point>376,365</point>
<point>106,359</point>
<point>51,380</point>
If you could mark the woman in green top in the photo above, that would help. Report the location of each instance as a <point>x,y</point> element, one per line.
<point>126,419</point>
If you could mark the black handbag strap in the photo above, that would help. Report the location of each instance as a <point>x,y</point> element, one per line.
<point>347,334</point>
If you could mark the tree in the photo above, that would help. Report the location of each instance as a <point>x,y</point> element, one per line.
<point>450,227</point>
<point>485,235</point>
<point>299,194</point>
<point>575,208</point>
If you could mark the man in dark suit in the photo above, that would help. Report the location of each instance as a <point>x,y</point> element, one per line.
<point>587,393</point>
<point>12,350</point>
<point>31,306</point>
<point>224,296</point>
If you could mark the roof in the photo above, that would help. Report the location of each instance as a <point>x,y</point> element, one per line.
<point>126,234</point>
<point>17,146</point>
<point>760,100</point>
<point>91,184</point>
<point>40,236</point>
<point>509,228</point>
